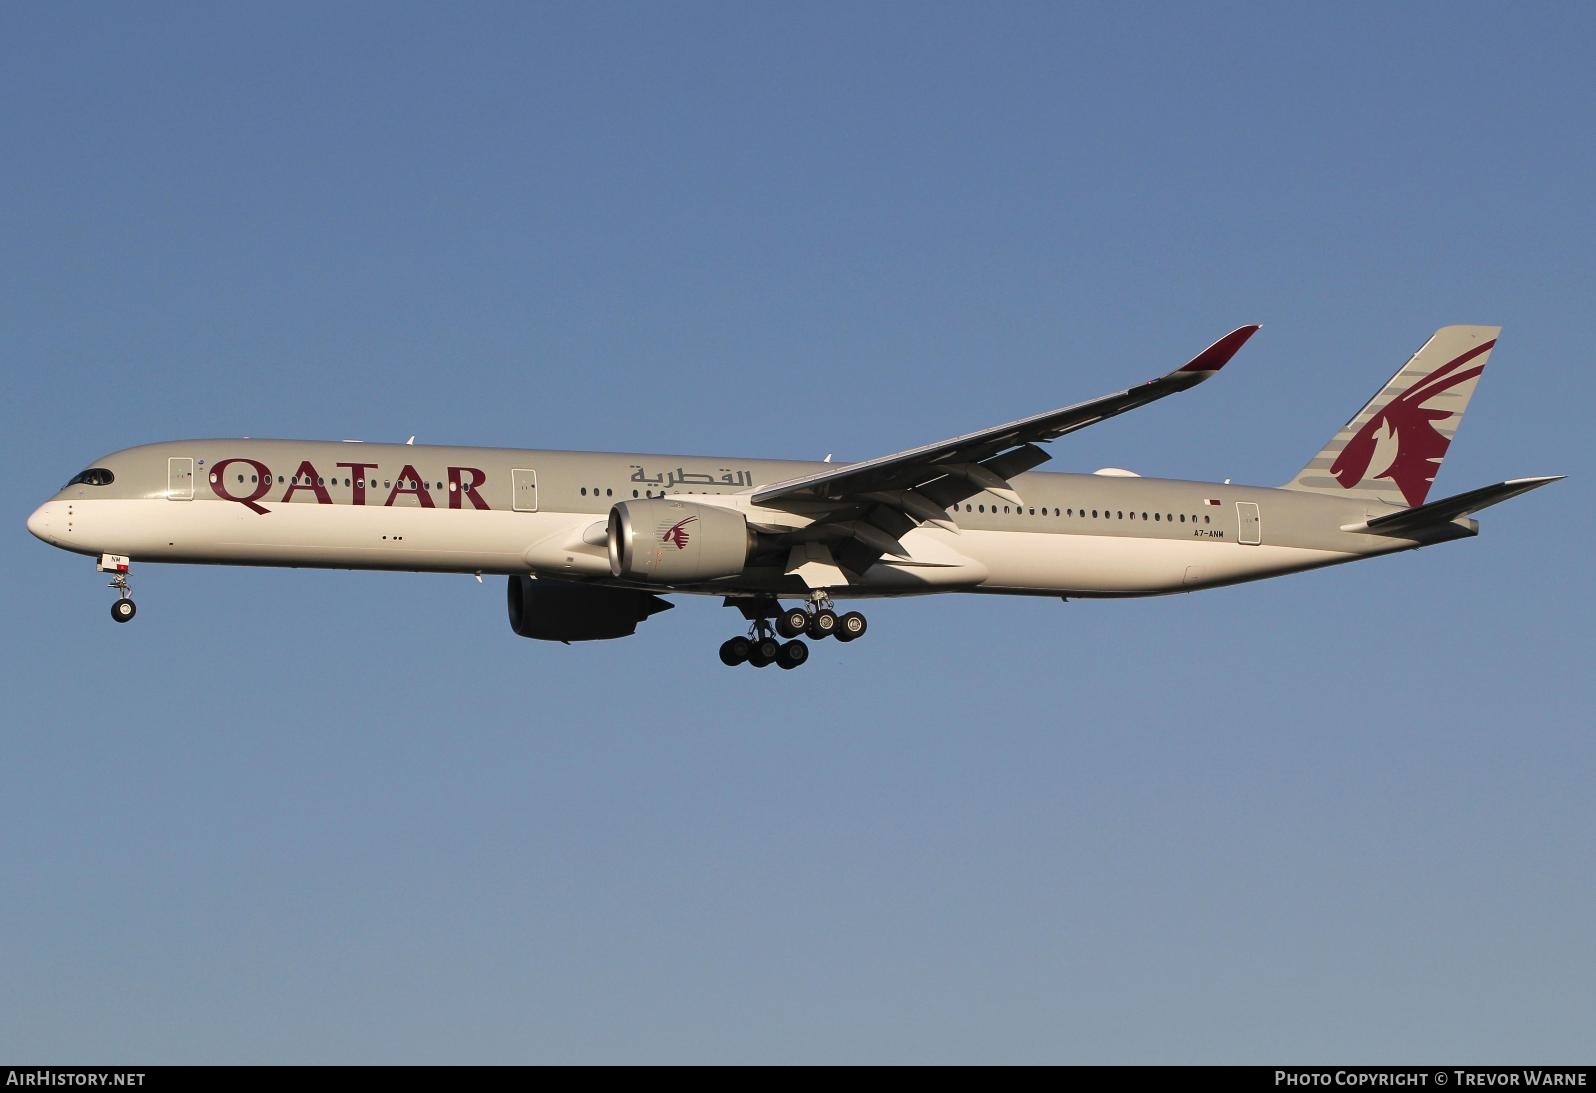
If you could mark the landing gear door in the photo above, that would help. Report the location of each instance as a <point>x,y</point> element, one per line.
<point>180,479</point>
<point>1251,528</point>
<point>525,485</point>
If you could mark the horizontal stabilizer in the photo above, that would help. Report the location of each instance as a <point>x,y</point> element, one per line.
<point>1448,509</point>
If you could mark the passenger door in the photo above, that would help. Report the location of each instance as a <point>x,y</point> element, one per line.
<point>180,479</point>
<point>524,483</point>
<point>1250,532</point>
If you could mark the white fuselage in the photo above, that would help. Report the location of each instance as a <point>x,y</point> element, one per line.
<point>401,507</point>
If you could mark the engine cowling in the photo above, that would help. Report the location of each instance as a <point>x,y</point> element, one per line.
<point>565,611</point>
<point>665,540</point>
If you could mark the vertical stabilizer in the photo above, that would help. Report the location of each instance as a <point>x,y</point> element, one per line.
<point>1392,448</point>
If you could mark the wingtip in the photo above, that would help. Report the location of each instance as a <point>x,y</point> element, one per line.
<point>1216,356</point>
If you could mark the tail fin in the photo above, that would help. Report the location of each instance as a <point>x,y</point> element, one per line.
<point>1391,448</point>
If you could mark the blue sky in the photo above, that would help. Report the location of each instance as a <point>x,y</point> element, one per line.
<point>316,817</point>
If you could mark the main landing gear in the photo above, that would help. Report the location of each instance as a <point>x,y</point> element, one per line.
<point>118,566</point>
<point>814,620</point>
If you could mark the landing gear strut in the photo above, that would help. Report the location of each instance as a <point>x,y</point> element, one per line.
<point>118,566</point>
<point>815,619</point>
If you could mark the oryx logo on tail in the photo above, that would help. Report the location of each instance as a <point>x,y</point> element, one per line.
<point>1391,449</point>
<point>1408,424</point>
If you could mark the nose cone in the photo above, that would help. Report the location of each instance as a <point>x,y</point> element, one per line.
<point>43,522</point>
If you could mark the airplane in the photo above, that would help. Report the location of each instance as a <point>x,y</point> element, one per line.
<point>592,542</point>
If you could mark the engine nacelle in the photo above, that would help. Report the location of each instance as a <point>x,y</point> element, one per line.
<point>666,540</point>
<point>565,611</point>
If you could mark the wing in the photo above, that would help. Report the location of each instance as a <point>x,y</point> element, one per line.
<point>876,501</point>
<point>862,509</point>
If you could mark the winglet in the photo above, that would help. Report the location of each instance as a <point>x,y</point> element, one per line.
<point>1216,356</point>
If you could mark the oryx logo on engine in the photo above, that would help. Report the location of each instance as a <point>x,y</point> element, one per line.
<point>676,534</point>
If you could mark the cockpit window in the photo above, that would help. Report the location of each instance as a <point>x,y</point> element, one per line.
<point>94,476</point>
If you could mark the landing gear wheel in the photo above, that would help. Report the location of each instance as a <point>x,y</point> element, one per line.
<point>765,652</point>
<point>823,624</point>
<point>792,622</point>
<point>850,626</point>
<point>792,654</point>
<point>123,610</point>
<point>735,651</point>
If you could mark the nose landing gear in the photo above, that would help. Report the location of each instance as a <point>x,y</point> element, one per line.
<point>118,566</point>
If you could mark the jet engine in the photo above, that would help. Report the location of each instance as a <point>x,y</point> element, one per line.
<point>669,541</point>
<point>565,611</point>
